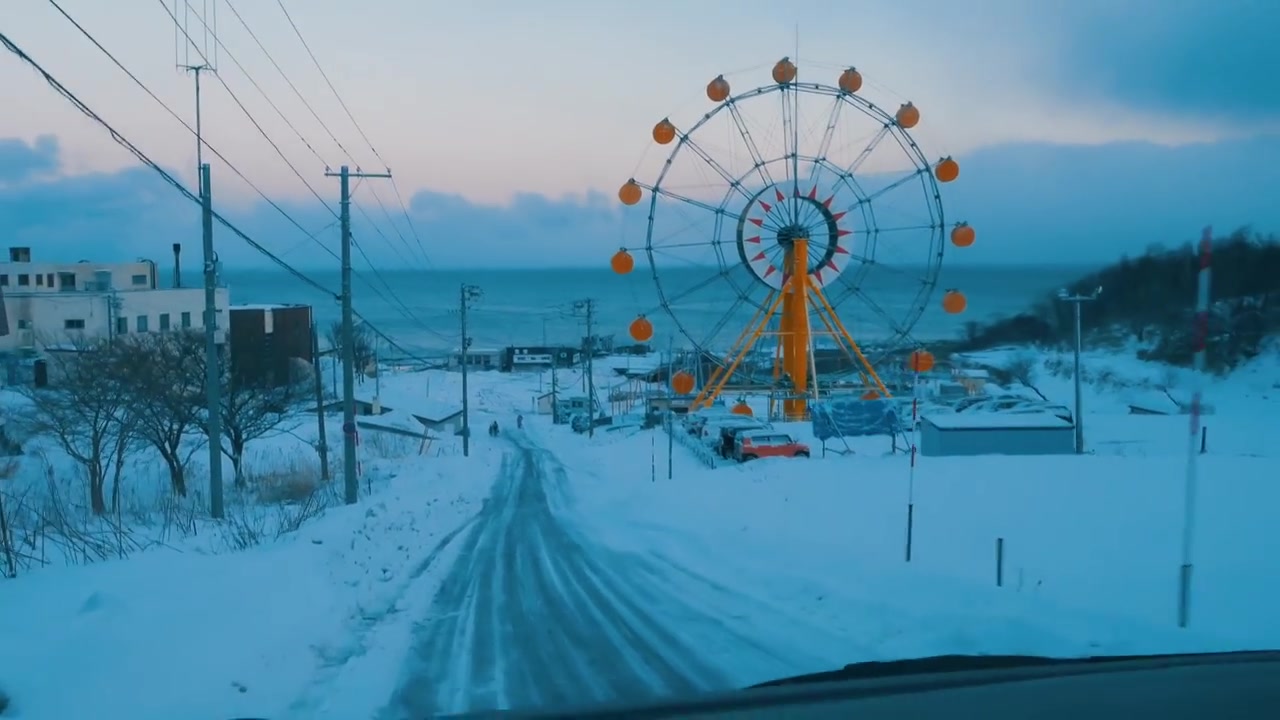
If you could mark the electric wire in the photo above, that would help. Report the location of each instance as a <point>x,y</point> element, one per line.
<point>396,303</point>
<point>400,306</point>
<point>142,157</point>
<point>351,116</point>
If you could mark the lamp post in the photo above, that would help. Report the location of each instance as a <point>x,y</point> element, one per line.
<point>1076,300</point>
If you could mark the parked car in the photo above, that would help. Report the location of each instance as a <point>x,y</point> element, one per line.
<point>753,445</point>
<point>709,433</point>
<point>729,435</point>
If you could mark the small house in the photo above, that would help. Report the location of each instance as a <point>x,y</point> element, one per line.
<point>478,358</point>
<point>544,404</point>
<point>538,357</point>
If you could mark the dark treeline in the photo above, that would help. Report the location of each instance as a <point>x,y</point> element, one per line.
<point>1151,298</point>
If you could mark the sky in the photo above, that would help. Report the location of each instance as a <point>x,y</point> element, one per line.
<point>1085,128</point>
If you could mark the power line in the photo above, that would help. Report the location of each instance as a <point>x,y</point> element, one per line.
<point>395,188</point>
<point>142,157</point>
<point>397,303</point>
<point>230,165</point>
<point>328,82</point>
<point>276,206</point>
<point>261,46</point>
<point>218,44</point>
<point>280,70</point>
<point>245,110</point>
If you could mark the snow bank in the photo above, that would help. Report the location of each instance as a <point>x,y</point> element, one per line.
<point>169,634</point>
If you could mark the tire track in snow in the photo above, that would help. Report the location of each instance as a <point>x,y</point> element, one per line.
<point>556,620</point>
<point>334,660</point>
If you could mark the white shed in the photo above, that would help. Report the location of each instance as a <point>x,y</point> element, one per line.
<point>989,433</point>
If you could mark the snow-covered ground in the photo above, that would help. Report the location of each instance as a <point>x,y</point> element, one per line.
<point>319,622</point>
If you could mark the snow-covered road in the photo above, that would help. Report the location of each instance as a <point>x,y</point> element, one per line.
<point>533,613</point>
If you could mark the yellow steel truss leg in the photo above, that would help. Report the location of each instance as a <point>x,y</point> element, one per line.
<point>835,335</point>
<point>719,375</point>
<point>755,333</point>
<point>844,334</point>
<point>777,373</point>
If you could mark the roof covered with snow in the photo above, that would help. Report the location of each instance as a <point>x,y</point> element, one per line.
<point>995,421</point>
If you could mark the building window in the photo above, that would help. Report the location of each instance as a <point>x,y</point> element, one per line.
<point>66,281</point>
<point>39,280</point>
<point>4,280</point>
<point>139,280</point>
<point>186,320</point>
<point>122,326</point>
<point>49,280</point>
<point>164,322</point>
<point>140,323</point>
<point>72,324</point>
<point>24,324</point>
<point>24,279</point>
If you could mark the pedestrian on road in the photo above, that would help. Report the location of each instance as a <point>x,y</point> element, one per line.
<point>519,422</point>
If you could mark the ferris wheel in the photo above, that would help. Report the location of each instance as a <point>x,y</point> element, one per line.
<point>788,220</point>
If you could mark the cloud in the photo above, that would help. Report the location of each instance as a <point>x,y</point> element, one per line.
<point>20,162</point>
<point>1031,203</point>
<point>1176,57</point>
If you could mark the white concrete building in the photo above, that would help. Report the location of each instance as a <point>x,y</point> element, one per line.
<point>56,303</point>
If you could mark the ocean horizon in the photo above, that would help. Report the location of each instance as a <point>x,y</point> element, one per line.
<point>419,308</point>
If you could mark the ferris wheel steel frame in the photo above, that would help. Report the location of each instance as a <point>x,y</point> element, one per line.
<point>796,287</point>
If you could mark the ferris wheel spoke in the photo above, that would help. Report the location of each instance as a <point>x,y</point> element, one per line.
<point>716,166</point>
<point>760,167</point>
<point>884,315</point>
<point>693,244</point>
<point>903,228</point>
<point>914,174</point>
<point>828,135</point>
<point>872,262</point>
<point>732,312</point>
<point>866,151</point>
<point>719,276</point>
<point>682,198</point>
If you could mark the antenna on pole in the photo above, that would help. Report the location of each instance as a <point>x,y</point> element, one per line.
<point>195,48</point>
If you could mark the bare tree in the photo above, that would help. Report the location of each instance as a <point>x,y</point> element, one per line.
<point>362,345</point>
<point>1022,367</point>
<point>87,413</point>
<point>163,373</point>
<point>250,413</point>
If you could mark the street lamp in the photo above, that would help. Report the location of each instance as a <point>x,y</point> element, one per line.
<point>1077,300</point>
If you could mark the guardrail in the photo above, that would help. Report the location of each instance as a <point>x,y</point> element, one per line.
<point>697,447</point>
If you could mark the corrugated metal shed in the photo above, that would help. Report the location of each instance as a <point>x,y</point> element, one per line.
<point>982,433</point>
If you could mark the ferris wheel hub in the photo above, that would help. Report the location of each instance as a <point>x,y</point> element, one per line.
<point>776,217</point>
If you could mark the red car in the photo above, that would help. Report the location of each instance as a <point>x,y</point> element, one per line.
<point>751,446</point>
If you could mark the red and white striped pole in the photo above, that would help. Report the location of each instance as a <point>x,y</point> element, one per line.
<point>911,476</point>
<point>917,359</point>
<point>1200,337</point>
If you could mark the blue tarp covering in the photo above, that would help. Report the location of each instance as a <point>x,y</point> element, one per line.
<point>853,418</point>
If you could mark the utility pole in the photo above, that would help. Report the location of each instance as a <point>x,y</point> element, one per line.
<point>555,397</point>
<point>196,70</point>
<point>1076,300</point>
<point>588,308</point>
<point>350,481</point>
<point>212,359</point>
<point>322,445</point>
<point>466,295</point>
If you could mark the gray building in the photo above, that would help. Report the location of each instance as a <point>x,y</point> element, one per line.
<point>985,433</point>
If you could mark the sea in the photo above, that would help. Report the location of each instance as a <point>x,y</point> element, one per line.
<point>420,309</point>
